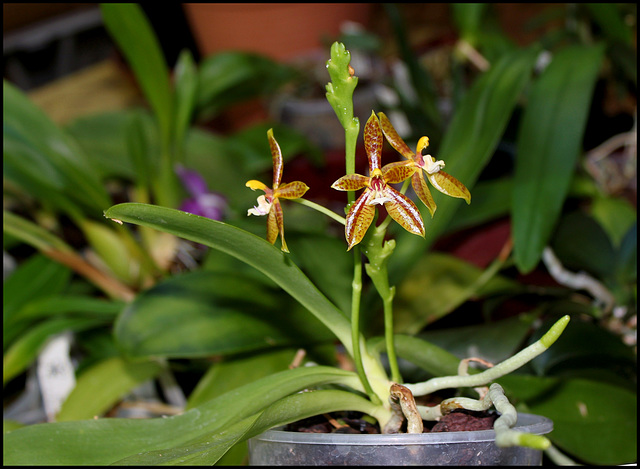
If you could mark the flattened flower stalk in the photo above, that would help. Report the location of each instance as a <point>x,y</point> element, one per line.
<point>442,181</point>
<point>378,191</point>
<point>269,204</point>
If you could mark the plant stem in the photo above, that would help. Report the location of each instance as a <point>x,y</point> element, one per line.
<point>321,209</point>
<point>378,251</point>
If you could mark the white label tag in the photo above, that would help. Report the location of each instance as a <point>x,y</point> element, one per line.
<point>55,374</point>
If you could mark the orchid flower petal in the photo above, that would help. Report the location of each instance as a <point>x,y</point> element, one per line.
<point>373,142</point>
<point>276,155</point>
<point>398,171</point>
<point>272,224</point>
<point>393,138</point>
<point>421,189</point>
<point>261,209</point>
<point>404,211</point>
<point>449,185</point>
<point>253,185</point>
<point>351,182</point>
<point>291,190</point>
<point>359,219</point>
<point>192,181</point>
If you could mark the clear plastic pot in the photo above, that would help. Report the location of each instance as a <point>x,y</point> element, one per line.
<point>281,448</point>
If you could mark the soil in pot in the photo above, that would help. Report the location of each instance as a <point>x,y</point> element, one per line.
<point>350,443</point>
<point>459,420</point>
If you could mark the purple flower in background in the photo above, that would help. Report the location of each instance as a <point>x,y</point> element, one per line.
<point>202,202</point>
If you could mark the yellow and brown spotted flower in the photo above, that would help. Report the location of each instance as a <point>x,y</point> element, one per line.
<point>442,181</point>
<point>377,190</point>
<point>268,204</point>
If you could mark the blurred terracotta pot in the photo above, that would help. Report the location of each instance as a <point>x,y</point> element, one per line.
<point>280,30</point>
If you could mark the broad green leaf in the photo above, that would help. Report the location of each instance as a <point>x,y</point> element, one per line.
<point>586,350</point>
<point>549,143</point>
<point>610,18</point>
<point>489,203</point>
<point>203,313</point>
<point>627,257</point>
<point>469,142</point>
<point>10,425</point>
<point>431,358</point>
<point>31,233</point>
<point>105,136</point>
<point>615,215</point>
<point>100,387</point>
<point>58,304</point>
<point>580,243</point>
<point>27,131</point>
<point>208,449</point>
<point>245,246</point>
<point>129,27</point>
<point>592,421</point>
<point>105,441</point>
<point>234,372</point>
<point>493,341</point>
<point>332,278</point>
<point>26,348</point>
<point>38,277</point>
<point>436,286</point>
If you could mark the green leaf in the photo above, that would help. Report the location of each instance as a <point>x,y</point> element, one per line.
<point>106,137</point>
<point>38,277</point>
<point>235,372</point>
<point>493,341</point>
<point>549,142</point>
<point>231,77</point>
<point>201,314</point>
<point>469,142</point>
<point>59,304</point>
<point>104,441</point>
<point>54,161</point>
<point>186,83</point>
<point>431,358</point>
<point>100,387</point>
<point>627,257</point>
<point>581,244</point>
<point>129,27</point>
<point>26,348</point>
<point>209,448</point>
<point>609,17</point>
<point>436,286</point>
<point>31,233</point>
<point>592,421</point>
<point>245,246</point>
<point>111,248</point>
<point>586,350</point>
<point>468,18</point>
<point>615,215</point>
<point>489,203</point>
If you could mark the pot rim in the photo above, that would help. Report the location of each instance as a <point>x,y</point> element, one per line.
<point>529,423</point>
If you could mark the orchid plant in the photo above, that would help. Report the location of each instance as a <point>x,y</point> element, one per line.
<point>389,400</point>
<point>174,308</point>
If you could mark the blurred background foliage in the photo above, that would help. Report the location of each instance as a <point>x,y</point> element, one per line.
<point>542,131</point>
